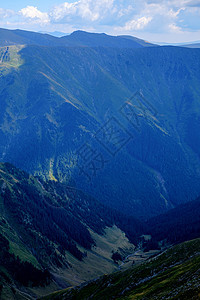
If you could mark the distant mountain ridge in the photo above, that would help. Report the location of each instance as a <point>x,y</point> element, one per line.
<point>195,45</point>
<point>54,33</point>
<point>81,38</point>
<point>76,39</point>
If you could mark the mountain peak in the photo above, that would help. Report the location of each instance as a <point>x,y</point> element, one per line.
<point>91,39</point>
<point>82,32</point>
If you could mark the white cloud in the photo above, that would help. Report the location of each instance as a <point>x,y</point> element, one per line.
<point>152,16</point>
<point>31,12</point>
<point>137,24</point>
<point>63,10</point>
<point>125,11</point>
<point>6,13</point>
<point>174,28</point>
<point>88,10</point>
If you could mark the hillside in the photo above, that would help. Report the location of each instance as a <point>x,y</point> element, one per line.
<point>177,225</point>
<point>56,101</point>
<point>59,237</point>
<point>174,274</point>
<point>56,229</point>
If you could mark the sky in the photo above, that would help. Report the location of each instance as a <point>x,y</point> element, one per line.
<point>170,21</point>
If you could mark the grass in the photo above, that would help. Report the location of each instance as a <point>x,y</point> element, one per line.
<point>23,254</point>
<point>175,274</point>
<point>13,59</point>
<point>98,260</point>
<point>177,281</point>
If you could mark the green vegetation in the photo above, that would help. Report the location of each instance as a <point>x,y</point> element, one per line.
<point>50,225</point>
<point>10,58</point>
<point>12,269</point>
<point>175,274</point>
<point>47,208</point>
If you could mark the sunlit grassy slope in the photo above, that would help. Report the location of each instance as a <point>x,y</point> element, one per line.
<point>10,57</point>
<point>175,274</point>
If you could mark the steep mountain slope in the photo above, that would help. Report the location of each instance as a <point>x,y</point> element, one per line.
<point>16,37</point>
<point>55,103</point>
<point>140,41</point>
<point>53,226</point>
<point>16,273</point>
<point>177,225</point>
<point>174,274</point>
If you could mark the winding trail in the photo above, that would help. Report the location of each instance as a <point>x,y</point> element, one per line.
<point>130,255</point>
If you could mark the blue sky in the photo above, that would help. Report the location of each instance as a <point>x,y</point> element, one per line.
<point>154,20</point>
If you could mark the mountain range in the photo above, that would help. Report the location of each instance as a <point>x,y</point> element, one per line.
<point>76,39</point>
<point>58,101</point>
<point>100,167</point>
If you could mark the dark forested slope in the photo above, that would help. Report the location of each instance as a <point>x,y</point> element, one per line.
<point>48,228</point>
<point>177,225</point>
